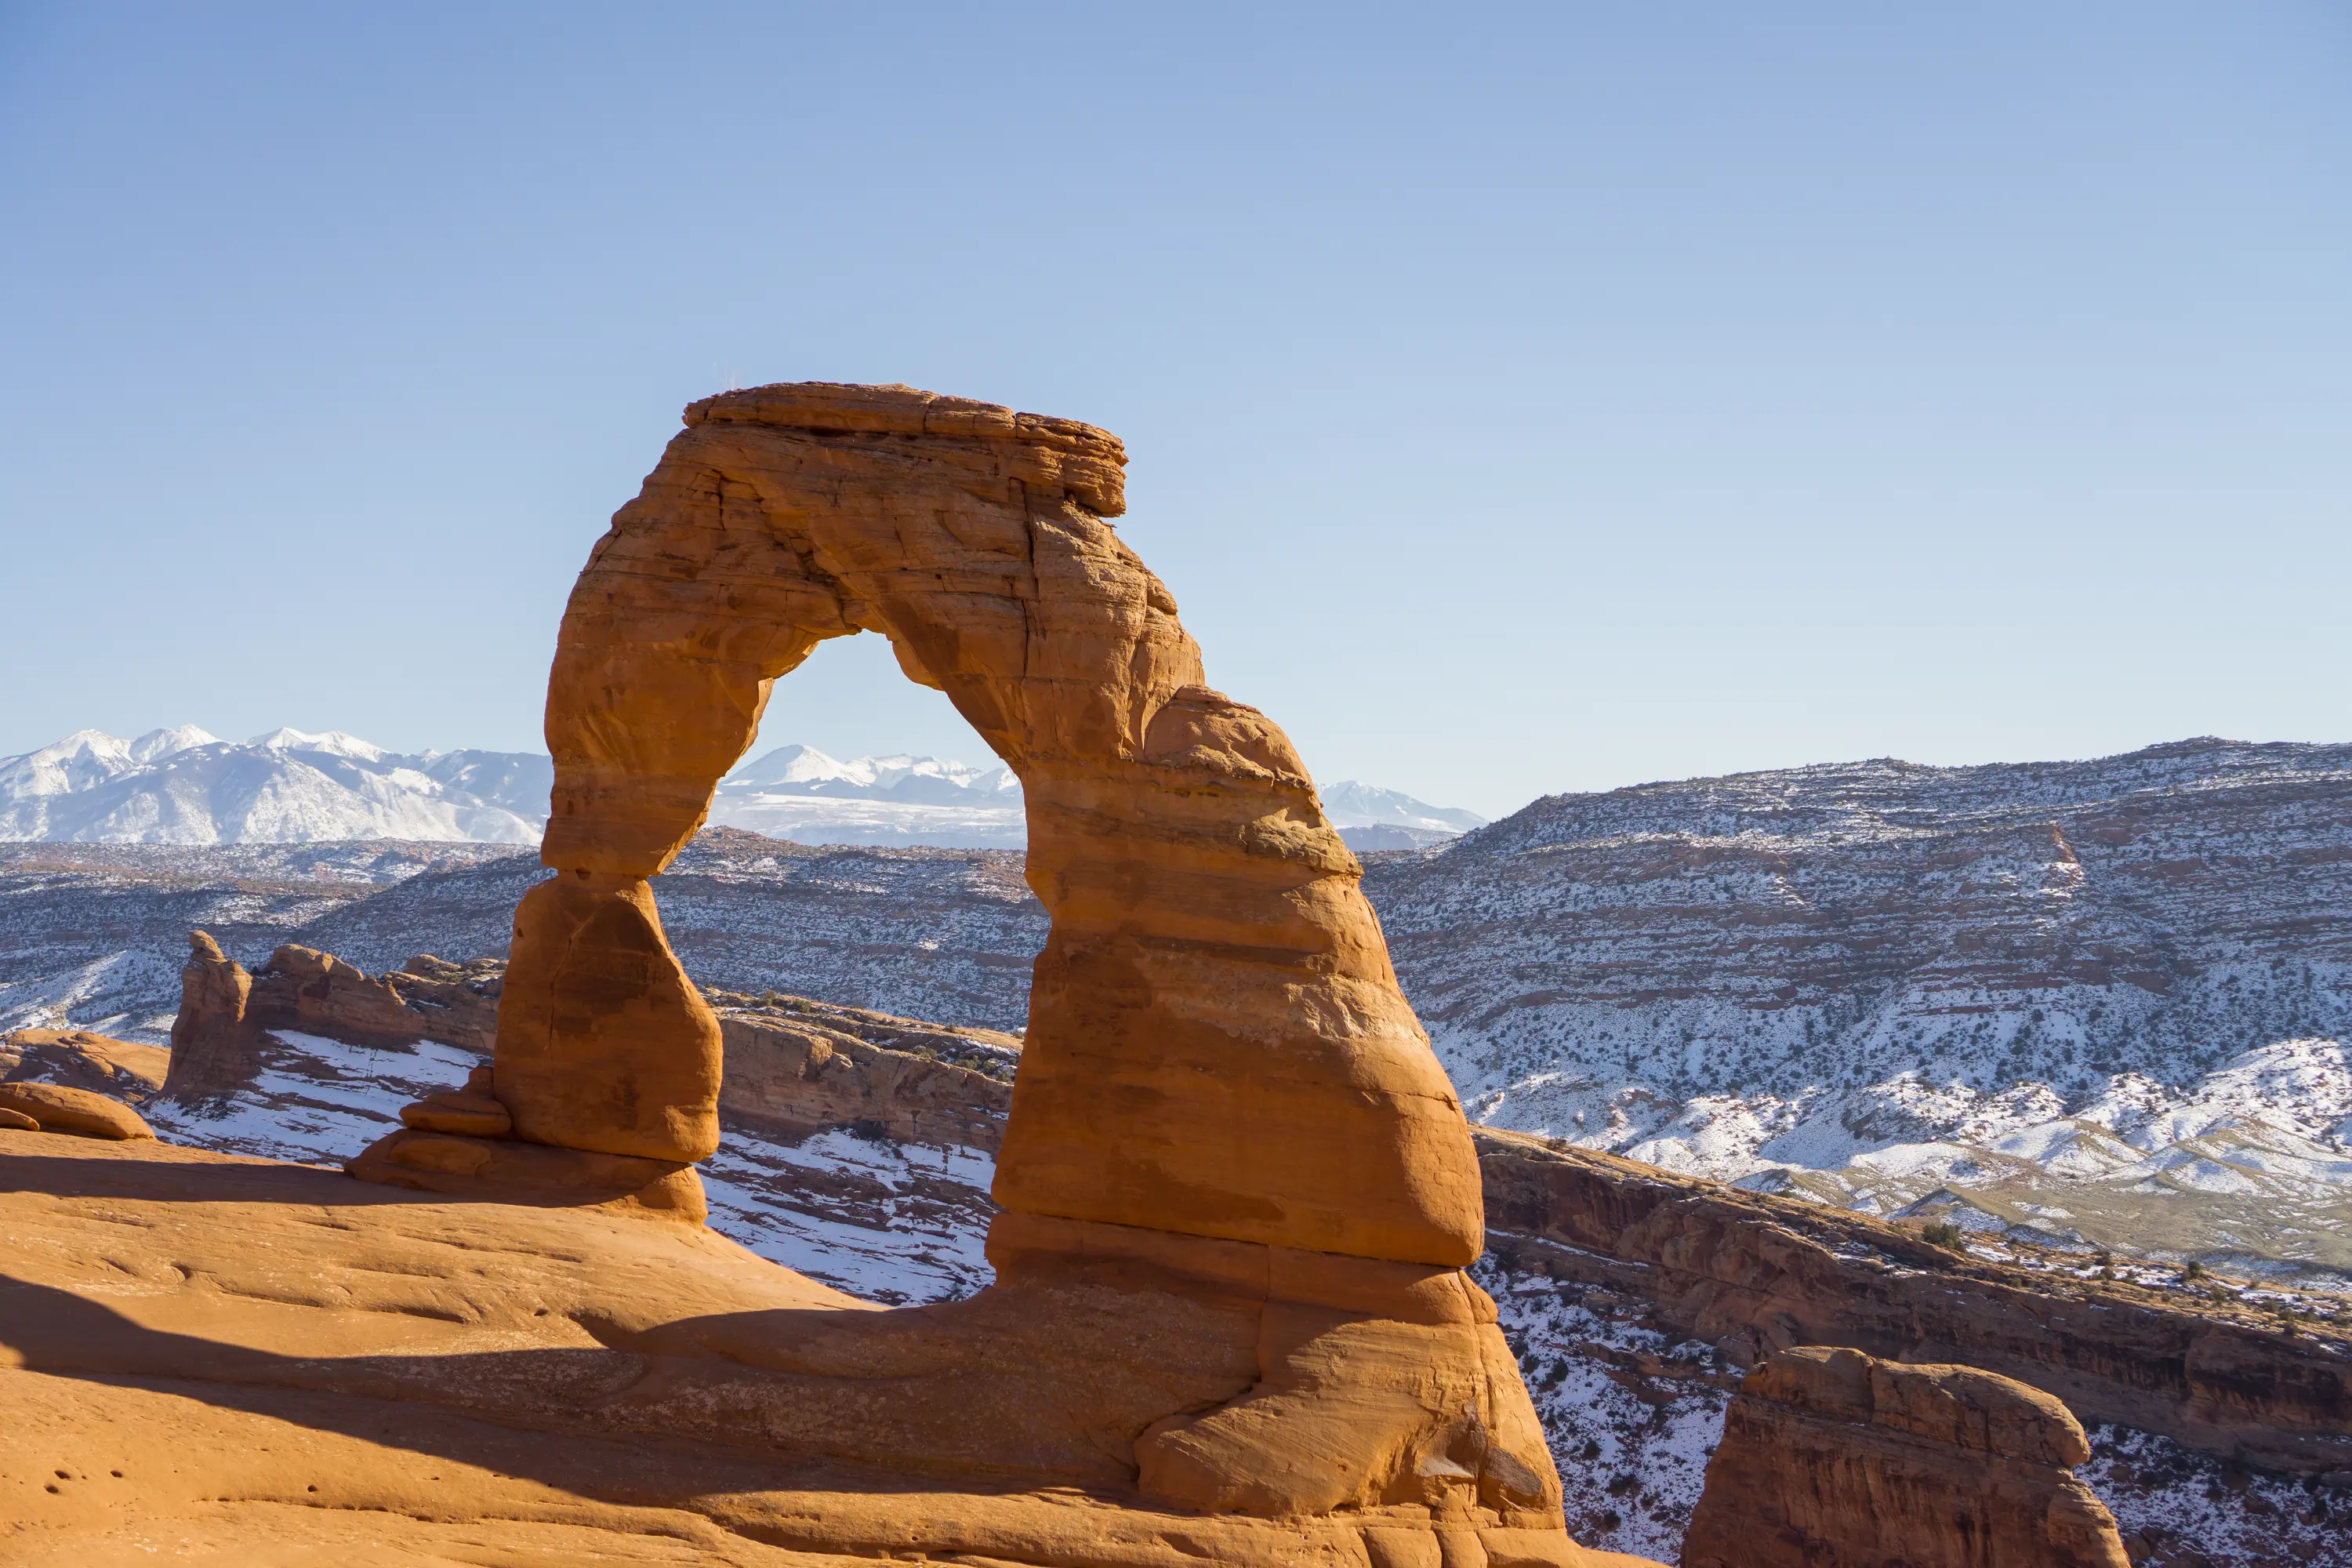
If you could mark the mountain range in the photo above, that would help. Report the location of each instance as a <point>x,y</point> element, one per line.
<point>185,786</point>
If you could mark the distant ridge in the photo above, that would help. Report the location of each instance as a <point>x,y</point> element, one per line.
<point>185,785</point>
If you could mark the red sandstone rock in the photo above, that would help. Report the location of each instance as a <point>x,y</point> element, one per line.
<point>797,1074</point>
<point>1237,1188</point>
<point>58,1108</point>
<point>268,1351</point>
<point>1832,1458</point>
<point>1217,1045</point>
<point>226,1012</point>
<point>18,1121</point>
<point>429,1160</point>
<point>472,1115</point>
<point>214,1047</point>
<point>603,1042</point>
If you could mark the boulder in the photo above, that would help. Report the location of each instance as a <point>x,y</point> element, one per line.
<point>1833,1458</point>
<point>55,1107</point>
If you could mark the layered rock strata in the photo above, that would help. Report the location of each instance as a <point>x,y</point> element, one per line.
<point>1754,1275</point>
<point>797,1066</point>
<point>1750,1272</point>
<point>1237,1189</point>
<point>791,1064</point>
<point>1832,1458</point>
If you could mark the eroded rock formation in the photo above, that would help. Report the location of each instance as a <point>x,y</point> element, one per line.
<point>1832,1458</point>
<point>225,1011</point>
<point>1238,1191</point>
<point>1216,1046</point>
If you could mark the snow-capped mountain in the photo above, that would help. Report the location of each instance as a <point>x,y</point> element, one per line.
<point>185,786</point>
<point>799,793</point>
<point>1371,818</point>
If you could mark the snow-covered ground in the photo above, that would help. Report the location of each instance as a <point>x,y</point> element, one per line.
<point>887,1221</point>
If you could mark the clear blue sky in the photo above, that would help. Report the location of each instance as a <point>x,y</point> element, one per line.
<point>1520,399</point>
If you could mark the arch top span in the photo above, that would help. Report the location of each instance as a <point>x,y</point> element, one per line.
<point>1217,1045</point>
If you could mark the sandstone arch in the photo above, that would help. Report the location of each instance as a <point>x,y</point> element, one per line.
<point>1237,1188</point>
<point>1217,1043</point>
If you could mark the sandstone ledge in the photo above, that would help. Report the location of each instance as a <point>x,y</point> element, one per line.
<point>276,1356</point>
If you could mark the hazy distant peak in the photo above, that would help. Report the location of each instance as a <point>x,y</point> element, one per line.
<point>334,742</point>
<point>183,785</point>
<point>1351,803</point>
<point>804,770</point>
<point>159,744</point>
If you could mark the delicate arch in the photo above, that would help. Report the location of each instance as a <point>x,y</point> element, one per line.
<point>1217,1045</point>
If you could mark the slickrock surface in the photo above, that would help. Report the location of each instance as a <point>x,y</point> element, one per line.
<point>198,1351</point>
<point>1832,1458</point>
<point>1753,1274</point>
